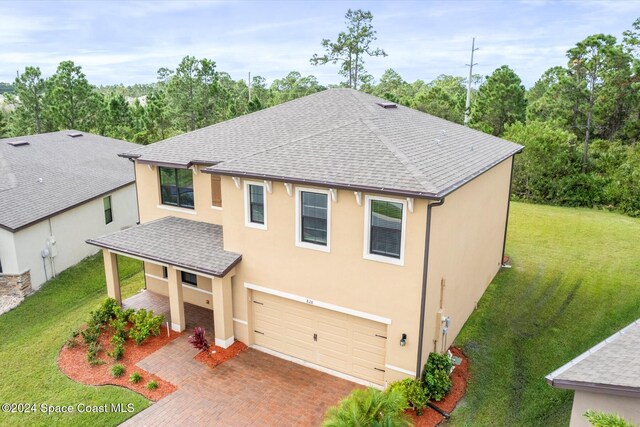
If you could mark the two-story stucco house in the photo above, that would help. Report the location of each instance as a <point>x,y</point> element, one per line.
<point>338,230</point>
<point>57,190</point>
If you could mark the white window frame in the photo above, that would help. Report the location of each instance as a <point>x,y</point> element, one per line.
<point>367,230</point>
<point>299,242</point>
<point>247,205</point>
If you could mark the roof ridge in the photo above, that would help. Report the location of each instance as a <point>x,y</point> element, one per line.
<point>406,162</point>
<point>273,147</point>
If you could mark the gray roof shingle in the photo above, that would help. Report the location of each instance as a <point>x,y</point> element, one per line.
<point>340,137</point>
<point>54,172</point>
<point>614,364</point>
<point>189,244</point>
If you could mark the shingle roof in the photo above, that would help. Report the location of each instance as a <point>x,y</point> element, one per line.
<point>340,137</point>
<point>611,366</point>
<point>192,245</point>
<point>54,172</point>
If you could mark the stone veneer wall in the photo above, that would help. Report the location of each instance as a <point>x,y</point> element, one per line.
<point>15,284</point>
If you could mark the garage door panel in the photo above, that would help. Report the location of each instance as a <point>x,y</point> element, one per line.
<point>344,343</point>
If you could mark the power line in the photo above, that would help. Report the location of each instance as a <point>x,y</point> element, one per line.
<point>467,108</point>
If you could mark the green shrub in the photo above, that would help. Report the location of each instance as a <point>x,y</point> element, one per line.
<point>135,378</point>
<point>90,334</point>
<point>119,325</point>
<point>93,350</point>
<point>152,385</point>
<point>104,313</point>
<point>117,353</point>
<point>601,419</point>
<point>117,370</point>
<point>144,323</point>
<point>417,396</point>
<point>435,377</point>
<point>369,407</point>
<point>72,339</point>
<point>401,386</point>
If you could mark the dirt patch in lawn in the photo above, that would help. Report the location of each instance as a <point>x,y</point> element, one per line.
<point>217,355</point>
<point>459,377</point>
<point>73,363</point>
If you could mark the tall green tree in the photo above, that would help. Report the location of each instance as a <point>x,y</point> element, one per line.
<point>183,89</point>
<point>71,103</point>
<point>500,101</point>
<point>158,115</point>
<point>294,85</point>
<point>4,128</point>
<point>443,97</point>
<point>350,47</point>
<point>28,99</point>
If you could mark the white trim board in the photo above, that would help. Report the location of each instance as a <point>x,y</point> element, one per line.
<point>317,303</point>
<point>366,254</point>
<point>225,343</point>
<point>242,322</point>
<point>404,371</point>
<point>247,207</point>
<point>164,279</point>
<point>317,367</point>
<point>299,242</point>
<point>177,209</point>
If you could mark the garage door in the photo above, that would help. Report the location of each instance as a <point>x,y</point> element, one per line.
<point>338,341</point>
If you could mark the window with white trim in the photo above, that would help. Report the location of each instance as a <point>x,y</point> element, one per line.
<point>313,219</point>
<point>255,201</point>
<point>385,229</point>
<point>108,213</point>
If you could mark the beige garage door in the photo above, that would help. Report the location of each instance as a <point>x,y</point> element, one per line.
<point>338,341</point>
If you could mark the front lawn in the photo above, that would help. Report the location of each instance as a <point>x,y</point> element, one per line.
<point>575,280</point>
<point>31,337</point>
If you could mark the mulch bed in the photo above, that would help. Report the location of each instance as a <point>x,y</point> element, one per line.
<point>73,363</point>
<point>217,355</point>
<point>459,377</point>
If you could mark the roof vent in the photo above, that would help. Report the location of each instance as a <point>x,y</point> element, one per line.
<point>387,105</point>
<point>74,134</point>
<point>18,143</point>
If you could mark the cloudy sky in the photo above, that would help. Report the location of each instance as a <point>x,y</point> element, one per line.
<point>126,42</point>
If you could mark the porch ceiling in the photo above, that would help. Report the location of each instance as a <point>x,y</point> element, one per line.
<point>183,243</point>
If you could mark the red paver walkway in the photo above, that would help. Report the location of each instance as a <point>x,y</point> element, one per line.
<point>252,389</point>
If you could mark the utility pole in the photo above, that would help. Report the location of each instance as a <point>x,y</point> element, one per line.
<point>467,108</point>
<point>249,83</point>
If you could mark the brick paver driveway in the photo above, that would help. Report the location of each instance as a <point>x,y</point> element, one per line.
<point>253,388</point>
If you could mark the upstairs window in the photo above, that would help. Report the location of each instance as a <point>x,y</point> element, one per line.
<point>385,231</point>
<point>108,213</point>
<point>176,187</point>
<point>216,191</point>
<point>255,205</point>
<point>313,211</point>
<point>189,278</point>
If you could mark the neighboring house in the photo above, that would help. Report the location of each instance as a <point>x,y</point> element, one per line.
<point>338,230</point>
<point>57,190</point>
<point>606,378</point>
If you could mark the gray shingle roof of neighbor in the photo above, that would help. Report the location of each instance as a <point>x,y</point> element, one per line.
<point>174,241</point>
<point>613,366</point>
<point>342,138</point>
<point>55,171</point>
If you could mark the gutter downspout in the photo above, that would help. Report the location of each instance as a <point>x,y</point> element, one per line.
<point>506,220</point>
<point>425,270</point>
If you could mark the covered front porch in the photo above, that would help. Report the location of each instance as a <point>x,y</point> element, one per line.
<point>190,259</point>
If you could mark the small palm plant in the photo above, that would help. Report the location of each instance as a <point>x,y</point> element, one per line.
<point>369,407</point>
<point>198,339</point>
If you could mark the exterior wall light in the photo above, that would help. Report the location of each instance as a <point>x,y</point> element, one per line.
<point>403,340</point>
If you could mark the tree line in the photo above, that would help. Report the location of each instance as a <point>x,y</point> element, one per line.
<point>579,123</point>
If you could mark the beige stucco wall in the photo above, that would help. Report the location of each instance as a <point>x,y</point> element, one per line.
<point>148,181</point>
<point>271,259</point>
<point>467,234</point>
<point>156,283</point>
<point>626,407</point>
<point>8,256</point>
<point>71,229</point>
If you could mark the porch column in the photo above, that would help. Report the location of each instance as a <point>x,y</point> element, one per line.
<point>222,311</point>
<point>111,274</point>
<point>176,301</point>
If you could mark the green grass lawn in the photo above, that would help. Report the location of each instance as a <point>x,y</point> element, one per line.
<point>31,337</point>
<point>575,280</point>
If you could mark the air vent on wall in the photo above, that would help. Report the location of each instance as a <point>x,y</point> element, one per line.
<point>74,134</point>
<point>17,143</point>
<point>387,104</point>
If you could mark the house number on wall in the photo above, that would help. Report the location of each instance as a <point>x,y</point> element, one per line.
<point>310,301</point>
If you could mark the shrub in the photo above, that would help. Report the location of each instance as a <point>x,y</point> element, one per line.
<point>417,396</point>
<point>90,334</point>
<point>601,419</point>
<point>152,385</point>
<point>72,339</point>
<point>119,323</point>
<point>135,378</point>
<point>198,339</point>
<point>144,323</point>
<point>93,350</point>
<point>435,377</point>
<point>369,407</point>
<point>104,313</point>
<point>117,352</point>
<point>117,370</point>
